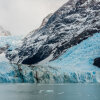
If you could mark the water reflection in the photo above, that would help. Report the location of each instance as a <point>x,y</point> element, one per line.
<point>49,92</point>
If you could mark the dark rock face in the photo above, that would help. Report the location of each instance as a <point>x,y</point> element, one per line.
<point>97,62</point>
<point>74,22</point>
<point>3,49</point>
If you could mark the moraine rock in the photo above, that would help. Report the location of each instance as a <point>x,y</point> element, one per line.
<point>3,49</point>
<point>74,22</point>
<point>97,62</point>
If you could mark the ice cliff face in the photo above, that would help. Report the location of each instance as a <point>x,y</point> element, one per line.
<point>9,43</point>
<point>74,22</point>
<point>4,32</point>
<point>7,70</point>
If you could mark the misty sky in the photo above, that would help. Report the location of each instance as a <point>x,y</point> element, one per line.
<point>22,16</point>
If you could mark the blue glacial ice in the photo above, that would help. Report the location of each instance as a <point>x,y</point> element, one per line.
<point>81,56</point>
<point>7,72</point>
<point>75,65</point>
<point>11,41</point>
<point>77,62</point>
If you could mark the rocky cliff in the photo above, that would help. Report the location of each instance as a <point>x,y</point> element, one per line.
<point>74,22</point>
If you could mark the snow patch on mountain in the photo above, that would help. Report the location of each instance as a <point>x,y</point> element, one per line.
<point>74,22</point>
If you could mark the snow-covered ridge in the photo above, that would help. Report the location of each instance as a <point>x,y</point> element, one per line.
<point>45,20</point>
<point>72,23</point>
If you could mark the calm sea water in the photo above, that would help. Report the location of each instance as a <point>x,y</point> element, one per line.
<point>50,92</point>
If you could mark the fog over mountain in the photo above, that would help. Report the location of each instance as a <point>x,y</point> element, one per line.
<point>22,16</point>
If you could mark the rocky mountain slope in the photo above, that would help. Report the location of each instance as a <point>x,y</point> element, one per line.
<point>45,20</point>
<point>69,39</point>
<point>74,22</point>
<point>4,32</point>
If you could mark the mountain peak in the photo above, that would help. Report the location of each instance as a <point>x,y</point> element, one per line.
<point>74,22</point>
<point>4,32</point>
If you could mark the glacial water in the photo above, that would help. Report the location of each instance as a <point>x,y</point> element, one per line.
<point>50,92</point>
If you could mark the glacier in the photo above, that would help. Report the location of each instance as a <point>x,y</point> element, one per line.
<point>77,62</point>
<point>12,41</point>
<point>81,56</point>
<point>61,50</point>
<point>72,23</point>
<point>7,71</point>
<point>74,66</point>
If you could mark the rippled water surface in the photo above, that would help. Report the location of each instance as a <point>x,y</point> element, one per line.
<point>49,92</point>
